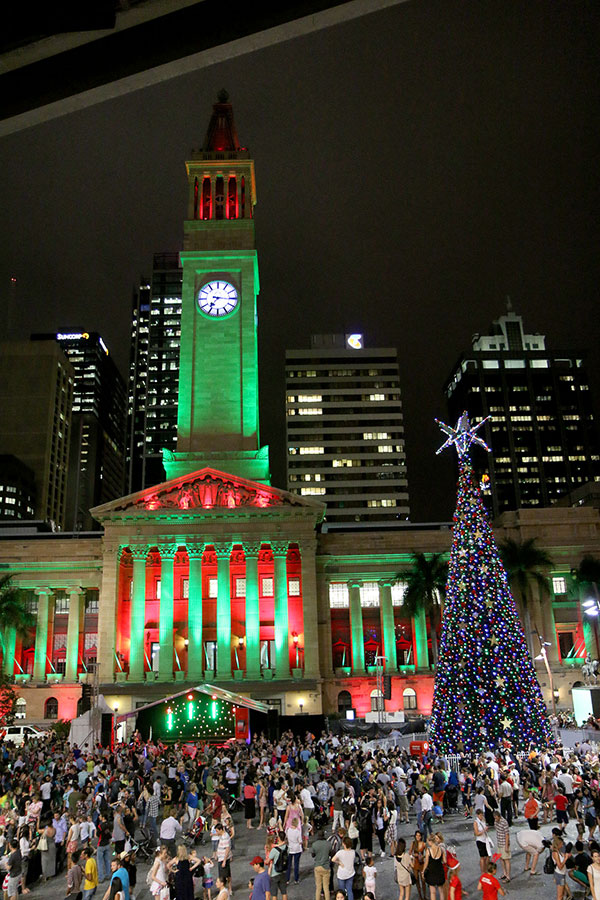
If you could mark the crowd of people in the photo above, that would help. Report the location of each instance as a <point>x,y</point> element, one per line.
<point>91,815</point>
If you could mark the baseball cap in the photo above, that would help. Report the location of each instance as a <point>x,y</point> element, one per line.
<point>258,861</point>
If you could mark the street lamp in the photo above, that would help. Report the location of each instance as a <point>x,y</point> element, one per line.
<point>301,704</point>
<point>544,655</point>
<point>295,640</point>
<point>591,607</point>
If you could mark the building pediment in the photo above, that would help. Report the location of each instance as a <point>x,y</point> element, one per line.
<point>206,490</point>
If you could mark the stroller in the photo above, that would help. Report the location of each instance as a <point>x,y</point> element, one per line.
<point>197,833</point>
<point>320,817</point>
<point>451,798</point>
<point>145,847</point>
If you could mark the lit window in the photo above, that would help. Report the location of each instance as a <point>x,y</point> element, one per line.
<point>310,451</point>
<point>539,363</point>
<point>267,587</point>
<point>369,594</point>
<point>158,588</point>
<point>312,490</point>
<point>61,605</point>
<point>559,585</point>
<point>376,397</point>
<point>240,587</point>
<point>491,364</point>
<point>384,448</point>
<point>90,641</point>
<point>338,595</point>
<point>294,587</point>
<point>185,588</point>
<point>310,398</point>
<point>409,698</point>
<point>398,592</point>
<point>337,463</point>
<point>310,411</point>
<point>213,588</point>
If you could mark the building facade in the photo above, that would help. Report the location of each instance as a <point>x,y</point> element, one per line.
<point>215,576</point>
<point>36,401</point>
<point>154,371</point>
<point>345,430</point>
<point>97,451</point>
<point>541,430</point>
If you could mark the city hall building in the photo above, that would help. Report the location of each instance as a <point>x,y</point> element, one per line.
<point>215,575</point>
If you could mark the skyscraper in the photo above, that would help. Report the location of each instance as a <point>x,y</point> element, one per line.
<point>97,452</point>
<point>541,430</point>
<point>154,371</point>
<point>345,430</point>
<point>36,399</point>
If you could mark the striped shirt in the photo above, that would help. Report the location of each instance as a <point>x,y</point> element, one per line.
<point>501,832</point>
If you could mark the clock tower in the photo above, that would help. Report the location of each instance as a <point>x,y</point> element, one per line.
<point>217,421</point>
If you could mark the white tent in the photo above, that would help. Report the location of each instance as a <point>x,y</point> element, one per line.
<point>85,729</point>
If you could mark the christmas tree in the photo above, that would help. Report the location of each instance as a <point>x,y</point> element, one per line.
<point>486,691</point>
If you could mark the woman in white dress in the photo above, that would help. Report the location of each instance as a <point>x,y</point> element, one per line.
<point>593,874</point>
<point>158,876</point>
<point>403,865</point>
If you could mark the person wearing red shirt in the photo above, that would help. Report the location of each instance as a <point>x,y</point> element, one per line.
<point>455,891</point>
<point>561,802</point>
<point>489,884</point>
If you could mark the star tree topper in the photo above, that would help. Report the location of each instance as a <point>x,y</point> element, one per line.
<point>463,435</point>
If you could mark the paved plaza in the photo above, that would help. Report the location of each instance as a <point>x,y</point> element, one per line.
<point>456,829</point>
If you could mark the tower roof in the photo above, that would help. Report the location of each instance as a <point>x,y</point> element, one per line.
<point>221,133</point>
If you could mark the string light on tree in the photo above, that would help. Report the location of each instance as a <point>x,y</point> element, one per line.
<point>486,690</point>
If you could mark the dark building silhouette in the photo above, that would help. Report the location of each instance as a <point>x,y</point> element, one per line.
<point>541,431</point>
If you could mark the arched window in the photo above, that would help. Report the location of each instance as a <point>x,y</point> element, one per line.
<point>409,698</point>
<point>376,700</point>
<point>344,701</point>
<point>51,708</point>
<point>21,708</point>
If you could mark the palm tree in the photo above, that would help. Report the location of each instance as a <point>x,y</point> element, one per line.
<point>523,561</point>
<point>15,620</point>
<point>426,590</point>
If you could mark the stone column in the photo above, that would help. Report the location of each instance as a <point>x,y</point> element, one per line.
<point>138,613</point>
<point>310,610</point>
<point>223,552</point>
<point>107,613</point>
<point>40,663</point>
<point>10,646</point>
<point>548,629</point>
<point>324,625</point>
<point>251,551</point>
<point>195,648</point>
<point>419,623</point>
<point>388,628</point>
<point>356,630</point>
<point>165,624</point>
<point>76,601</point>
<point>282,629</point>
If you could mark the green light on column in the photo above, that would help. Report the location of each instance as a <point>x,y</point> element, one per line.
<point>214,709</point>
<point>190,710</point>
<point>169,720</point>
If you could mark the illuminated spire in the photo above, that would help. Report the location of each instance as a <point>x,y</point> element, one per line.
<point>222,133</point>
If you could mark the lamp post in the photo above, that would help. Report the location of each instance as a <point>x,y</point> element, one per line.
<point>301,704</point>
<point>295,640</point>
<point>116,708</point>
<point>591,607</point>
<point>544,655</point>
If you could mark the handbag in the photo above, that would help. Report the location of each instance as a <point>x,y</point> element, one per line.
<point>352,830</point>
<point>549,865</point>
<point>43,843</point>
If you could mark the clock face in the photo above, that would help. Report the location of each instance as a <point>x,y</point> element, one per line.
<point>218,299</point>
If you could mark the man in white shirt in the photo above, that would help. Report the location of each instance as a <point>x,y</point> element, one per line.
<point>169,829</point>
<point>307,802</point>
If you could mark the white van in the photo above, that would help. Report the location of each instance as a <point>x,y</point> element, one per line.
<point>17,734</point>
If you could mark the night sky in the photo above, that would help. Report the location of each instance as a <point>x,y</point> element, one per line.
<point>413,167</point>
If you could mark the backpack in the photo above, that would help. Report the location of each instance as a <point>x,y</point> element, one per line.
<point>282,860</point>
<point>363,818</point>
<point>549,866</point>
